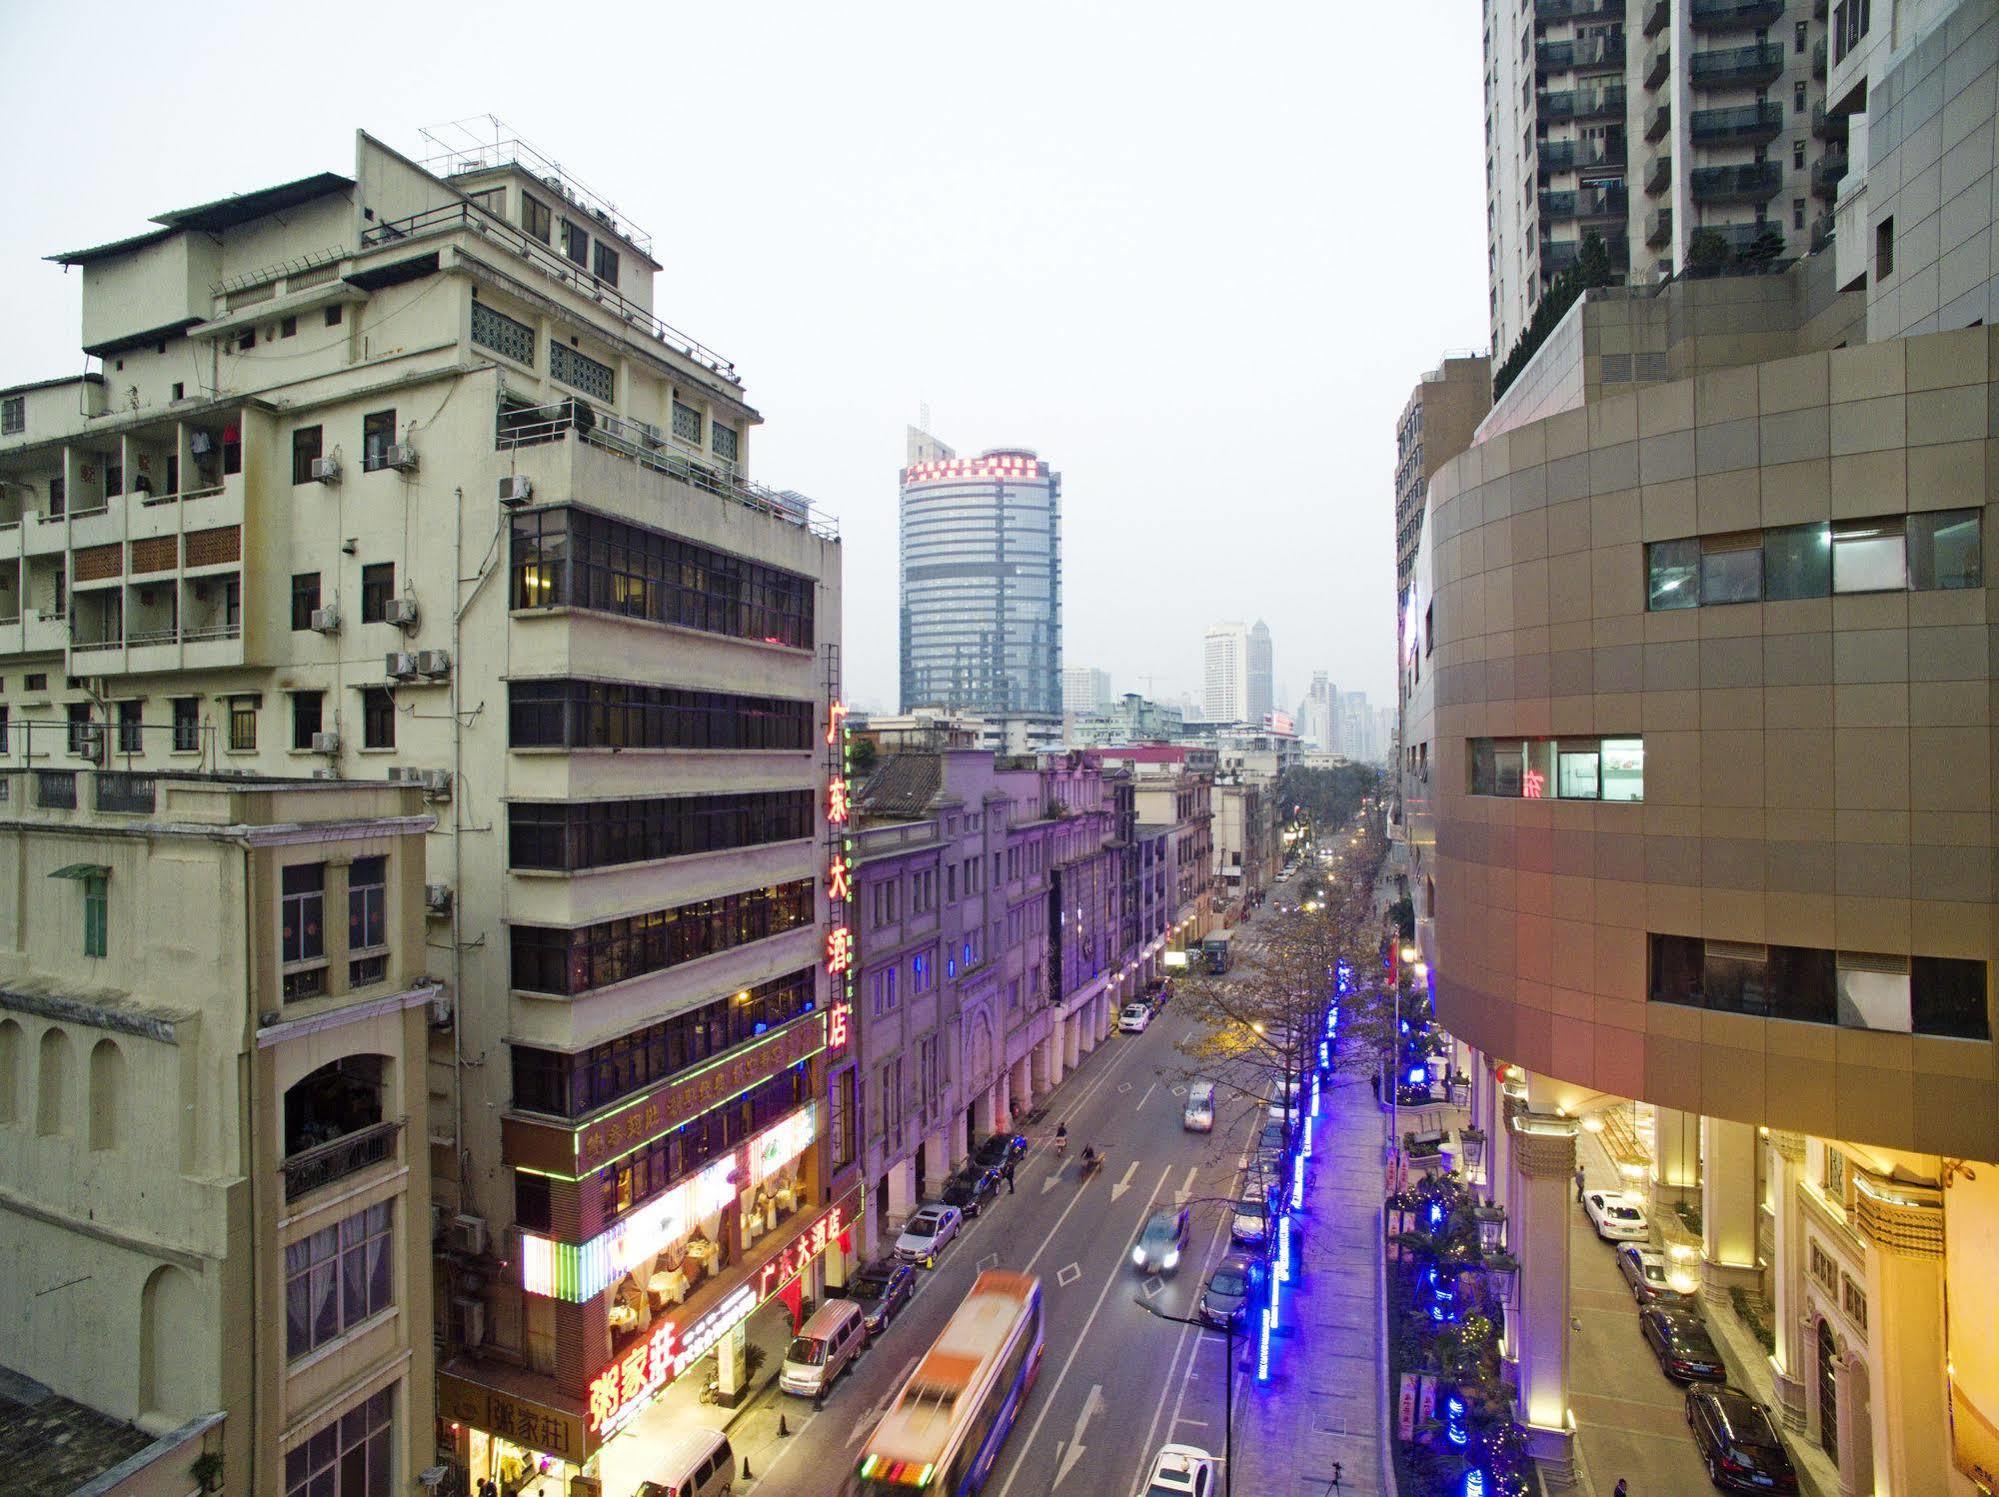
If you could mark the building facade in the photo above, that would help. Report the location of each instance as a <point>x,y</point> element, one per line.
<point>1442,413</point>
<point>981,581</point>
<point>1085,689</point>
<point>1225,673</point>
<point>1262,675</point>
<point>449,504</point>
<point>214,1173</point>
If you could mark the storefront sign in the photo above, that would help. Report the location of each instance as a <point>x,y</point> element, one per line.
<point>801,1250</point>
<point>839,879</point>
<point>1405,1413</point>
<point>509,1416</point>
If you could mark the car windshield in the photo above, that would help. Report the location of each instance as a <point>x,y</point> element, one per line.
<point>1624,1213</point>
<point>806,1351</point>
<point>1227,1281</point>
<point>1159,1229</point>
<point>921,1226</point>
<point>1251,1208</point>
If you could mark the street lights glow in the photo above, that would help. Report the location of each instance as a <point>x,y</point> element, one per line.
<point>1421,969</point>
<point>1409,953</point>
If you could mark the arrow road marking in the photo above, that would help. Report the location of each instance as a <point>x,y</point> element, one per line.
<point>1049,1184</point>
<point>1092,1406</point>
<point>1125,1184</point>
<point>1186,1190</point>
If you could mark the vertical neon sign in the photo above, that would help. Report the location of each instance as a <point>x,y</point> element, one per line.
<point>839,880</point>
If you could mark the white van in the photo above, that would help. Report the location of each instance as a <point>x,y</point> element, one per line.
<point>824,1345</point>
<point>1199,1114</point>
<point>698,1464</point>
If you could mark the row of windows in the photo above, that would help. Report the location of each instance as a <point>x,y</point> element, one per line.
<point>378,435</point>
<point>639,1176</point>
<point>351,1456</point>
<point>613,714</point>
<point>1558,768</point>
<point>547,960</point>
<point>378,720</point>
<point>302,925</point>
<point>378,590</point>
<point>597,834</point>
<point>570,558</point>
<point>1927,551</point>
<point>1857,990</point>
<point>570,1086</point>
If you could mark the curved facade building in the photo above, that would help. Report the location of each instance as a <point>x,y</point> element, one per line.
<point>981,581</point>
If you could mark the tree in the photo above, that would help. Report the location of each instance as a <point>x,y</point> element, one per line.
<point>1707,252</point>
<point>1326,797</point>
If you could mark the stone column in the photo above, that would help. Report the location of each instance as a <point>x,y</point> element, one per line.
<point>1072,1037</point>
<point>729,1365</point>
<point>1544,1164</point>
<point>1903,1383</point>
<point>1106,1018</point>
<point>982,1113</point>
<point>1676,1158</point>
<point>1021,1079</point>
<point>1790,1363</point>
<point>1086,1028</point>
<point>938,1158</point>
<point>998,1105</point>
<point>901,1192</point>
<point>1728,1208</point>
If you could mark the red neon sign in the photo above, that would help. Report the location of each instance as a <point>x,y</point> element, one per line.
<point>836,800</point>
<point>836,1026</point>
<point>1532,784</point>
<point>836,715</point>
<point>839,879</point>
<point>803,1248</point>
<point>839,950</point>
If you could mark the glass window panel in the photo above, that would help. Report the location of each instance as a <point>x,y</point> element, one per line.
<point>1869,558</point>
<point>1483,774</point>
<point>298,1317</point>
<point>1731,572</point>
<point>1945,549</point>
<point>1623,769</point>
<point>1577,774</point>
<point>1797,562</point>
<point>325,1304</point>
<point>354,1285</point>
<point>1735,985</point>
<point>1947,997</point>
<point>1672,574</point>
<point>1874,1000</point>
<point>1801,985</point>
<point>1676,969</point>
<point>1538,769</point>
<point>1506,769</point>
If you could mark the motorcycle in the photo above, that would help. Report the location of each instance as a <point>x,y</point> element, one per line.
<point>1091,1164</point>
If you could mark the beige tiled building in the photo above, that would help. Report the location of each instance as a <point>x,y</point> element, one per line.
<point>215,1211</point>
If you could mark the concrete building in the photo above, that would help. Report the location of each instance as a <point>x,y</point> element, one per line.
<point>1173,807</point>
<point>1647,123</point>
<point>1318,714</point>
<point>1697,779</point>
<point>1248,853</point>
<point>1262,687</point>
<point>1443,412</point>
<point>1085,690</point>
<point>214,1171</point>
<point>981,581</point>
<point>398,474</point>
<point>1130,719</point>
<point>1225,673</point>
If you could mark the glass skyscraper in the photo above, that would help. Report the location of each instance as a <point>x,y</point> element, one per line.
<point>981,581</point>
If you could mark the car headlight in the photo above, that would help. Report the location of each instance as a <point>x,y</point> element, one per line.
<point>1138,1256</point>
<point>1172,1257</point>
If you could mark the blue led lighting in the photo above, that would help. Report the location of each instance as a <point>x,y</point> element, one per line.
<point>1264,1325</point>
<point>1475,1483</point>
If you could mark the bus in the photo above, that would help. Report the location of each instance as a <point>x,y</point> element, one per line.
<point>1216,950</point>
<point>943,1432</point>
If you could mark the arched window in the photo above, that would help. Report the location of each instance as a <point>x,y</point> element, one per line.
<point>167,1328</point>
<point>52,1083</point>
<point>10,1070</point>
<point>107,1093</point>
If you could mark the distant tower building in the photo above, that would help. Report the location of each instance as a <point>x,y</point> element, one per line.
<point>1262,676</point>
<point>1319,716</point>
<point>1085,689</point>
<point>981,580</point>
<point>1226,673</point>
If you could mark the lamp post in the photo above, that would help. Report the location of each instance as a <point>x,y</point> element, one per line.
<point>1229,1334</point>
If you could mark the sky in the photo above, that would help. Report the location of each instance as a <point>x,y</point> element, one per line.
<point>1195,255</point>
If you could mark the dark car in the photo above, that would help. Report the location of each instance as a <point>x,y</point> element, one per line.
<point>971,1188</point>
<point>1738,1442</point>
<point>1273,1144</point>
<point>880,1290</point>
<point>1225,1301</point>
<point>1680,1341</point>
<point>998,1149</point>
<point>1161,1241</point>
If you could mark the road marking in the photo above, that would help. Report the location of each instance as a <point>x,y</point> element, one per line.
<point>1216,1242</point>
<point>991,1260</point>
<point>1153,1285</point>
<point>1124,1086</point>
<point>1179,1088</point>
<point>1068,1274</point>
<point>873,1416</point>
<point>1125,1184</point>
<point>1148,1095</point>
<point>1190,1423</point>
<point>1187,1185</point>
<point>1092,1406</point>
<point>1050,1183</point>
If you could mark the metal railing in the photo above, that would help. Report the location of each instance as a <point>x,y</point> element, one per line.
<point>212,631</point>
<point>1740,122</point>
<point>1758,63</point>
<point>117,790</point>
<point>1723,15</point>
<point>1827,173</point>
<point>322,1164</point>
<point>529,426</point>
<point>1752,182</point>
<point>55,789</point>
<point>1659,176</point>
<point>453,217</point>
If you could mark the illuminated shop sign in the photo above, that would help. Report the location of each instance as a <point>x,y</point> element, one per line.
<point>781,1143</point>
<point>801,1250</point>
<point>839,880</point>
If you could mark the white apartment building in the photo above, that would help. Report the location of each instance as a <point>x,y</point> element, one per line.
<point>1225,673</point>
<point>1085,689</point>
<point>397,475</point>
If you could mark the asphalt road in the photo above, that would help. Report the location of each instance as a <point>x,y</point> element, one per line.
<point>1115,1381</point>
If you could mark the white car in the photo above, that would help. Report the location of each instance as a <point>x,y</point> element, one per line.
<point>925,1234</point>
<point>1616,1217</point>
<point>1182,1471</point>
<point>1133,1018</point>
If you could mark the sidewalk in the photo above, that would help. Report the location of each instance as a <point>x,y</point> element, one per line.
<point>1323,1402</point>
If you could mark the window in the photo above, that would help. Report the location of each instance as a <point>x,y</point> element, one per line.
<point>1869,557</point>
<point>1809,985</point>
<point>611,714</point>
<point>378,718</point>
<point>1874,991</point>
<point>131,727</point>
<point>59,494</point>
<point>1732,568</point>
<point>308,708</point>
<point>337,1278</point>
<point>349,1458</point>
<point>550,960</point>
<point>1672,574</point>
<point>1833,1182</point>
<point>3,733</point>
<point>686,422</point>
<point>307,448</point>
<point>883,987</point>
<point>114,480</point>
<point>1798,38</point>
<point>80,736</point>
<point>287,328</point>
<point>502,334</point>
<point>535,217</point>
<point>367,903</point>
<point>725,441</point>
<point>1884,248</point>
<point>1608,769</point>
<point>919,972</point>
<point>1938,549</point>
<point>333,315</point>
<point>1947,997</point>
<point>1797,562</point>
<point>96,913</point>
<point>378,435</point>
<point>302,926</point>
<point>1797,213</point>
<point>378,586</point>
<point>605,264</point>
<point>13,415</point>
<point>574,835</point>
<point>1824,1270</point>
<point>583,372</point>
<point>305,599</point>
<point>575,242</point>
<point>1945,549</point>
<point>1798,97</point>
<point>1853,1299</point>
<point>187,724</point>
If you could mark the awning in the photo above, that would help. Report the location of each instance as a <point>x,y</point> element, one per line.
<point>82,870</point>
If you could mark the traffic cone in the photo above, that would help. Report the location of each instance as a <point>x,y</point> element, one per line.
<point>783,1429</point>
<point>746,1473</point>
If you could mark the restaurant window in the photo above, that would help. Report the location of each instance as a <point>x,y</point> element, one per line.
<point>1797,562</point>
<point>352,1456</point>
<point>1672,574</point>
<point>378,718</point>
<point>378,587</point>
<point>378,435</point>
<point>1945,549</point>
<point>305,599</point>
<point>308,443</point>
<point>1869,556</point>
<point>1732,568</point>
<point>337,1278</point>
<point>303,924</point>
<point>367,903</point>
<point>187,724</point>
<point>308,712</point>
<point>535,218</point>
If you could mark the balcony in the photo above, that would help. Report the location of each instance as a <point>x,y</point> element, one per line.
<point>1558,257</point>
<point>1828,126</point>
<point>1586,202</point>
<point>1576,10</point>
<point>324,1163</point>
<point>1657,14</point>
<point>1658,63</point>
<point>1827,173</point>
<point>1659,176</point>
<point>1735,15</point>
<point>1583,104</point>
<point>1741,124</point>
<point>334,1125</point>
<point>120,790</point>
<point>1754,182</point>
<point>1582,55</point>
<point>1822,228</point>
<point>1658,226</point>
<point>1572,155</point>
<point>1739,239</point>
<point>1738,67</point>
<point>1658,120</point>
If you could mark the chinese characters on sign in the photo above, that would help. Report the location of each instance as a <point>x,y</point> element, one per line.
<point>801,1250</point>
<point>1532,784</point>
<point>839,880</point>
<point>836,1026</point>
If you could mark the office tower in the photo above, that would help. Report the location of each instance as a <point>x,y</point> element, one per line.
<point>1085,689</point>
<point>1262,689</point>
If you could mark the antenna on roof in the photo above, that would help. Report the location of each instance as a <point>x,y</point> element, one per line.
<point>923,414</point>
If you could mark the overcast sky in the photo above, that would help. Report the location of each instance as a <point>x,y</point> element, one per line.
<point>1196,255</point>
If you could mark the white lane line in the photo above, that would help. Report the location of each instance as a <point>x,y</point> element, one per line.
<point>1148,1095</point>
<point>1187,1185</point>
<point>1082,1340</point>
<point>1207,1262</point>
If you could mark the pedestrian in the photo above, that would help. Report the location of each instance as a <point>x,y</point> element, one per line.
<point>1579,1185</point>
<point>1007,1170</point>
<point>1375,1082</point>
<point>1622,1490</point>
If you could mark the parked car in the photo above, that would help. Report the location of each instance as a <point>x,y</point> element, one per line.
<point>1225,1301</point>
<point>1679,1339</point>
<point>1273,1146</point>
<point>1616,1217</point>
<point>971,1188</point>
<point>1158,991</point>
<point>881,1289</point>
<point>1644,1269</point>
<point>999,1148</point>
<point>1133,1018</point>
<point>1182,1471</point>
<point>928,1233</point>
<point>1161,1241</point>
<point>1736,1439</point>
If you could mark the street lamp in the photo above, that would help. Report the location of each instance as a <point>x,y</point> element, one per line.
<point>1228,1382</point>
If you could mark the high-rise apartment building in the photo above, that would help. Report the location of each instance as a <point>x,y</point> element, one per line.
<point>1085,689</point>
<point>1227,670</point>
<point>1261,675</point>
<point>1319,714</point>
<point>1681,133</point>
<point>981,581</point>
<point>1436,425</point>
<point>398,475</point>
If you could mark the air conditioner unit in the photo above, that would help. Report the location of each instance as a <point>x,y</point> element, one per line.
<point>401,612</point>
<point>437,784</point>
<point>326,470</point>
<point>326,773</point>
<point>400,665</point>
<point>433,662</point>
<point>437,898</point>
<point>515,489</point>
<point>399,455</point>
<point>326,743</point>
<point>440,1014</point>
<point>467,1235</point>
<point>90,742</point>
<point>325,620</point>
